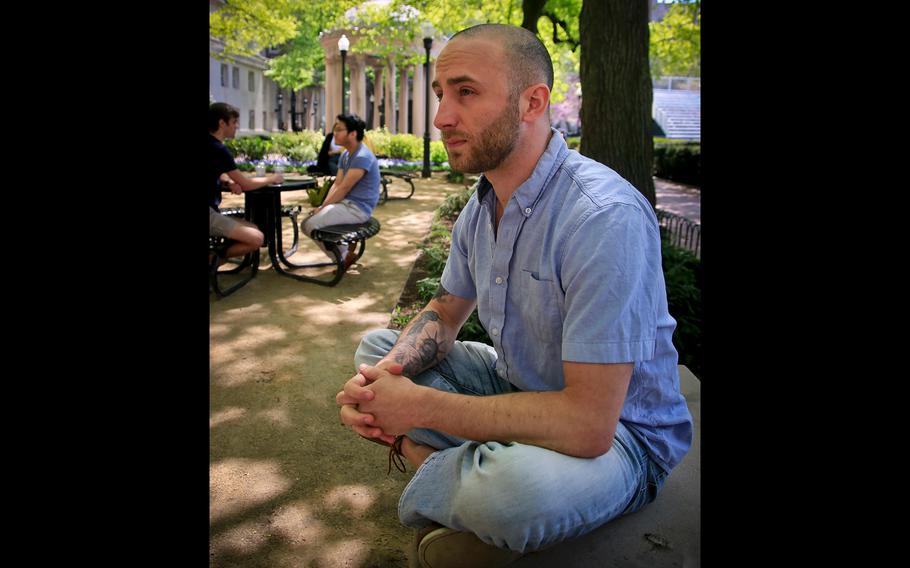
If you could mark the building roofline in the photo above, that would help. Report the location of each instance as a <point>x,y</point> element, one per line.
<point>216,47</point>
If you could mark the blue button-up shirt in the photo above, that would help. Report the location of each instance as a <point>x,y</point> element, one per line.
<point>574,274</point>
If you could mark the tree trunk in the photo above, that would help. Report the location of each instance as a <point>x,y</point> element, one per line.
<point>616,89</point>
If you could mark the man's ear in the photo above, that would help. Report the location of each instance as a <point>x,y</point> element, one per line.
<point>536,99</point>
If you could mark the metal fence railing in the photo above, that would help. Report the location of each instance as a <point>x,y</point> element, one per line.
<point>672,83</point>
<point>681,232</point>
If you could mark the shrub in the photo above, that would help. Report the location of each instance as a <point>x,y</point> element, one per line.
<point>318,194</point>
<point>379,141</point>
<point>300,146</point>
<point>676,160</point>
<point>438,152</point>
<point>436,250</point>
<point>679,162</point>
<point>435,255</point>
<point>427,287</point>
<point>250,147</point>
<point>405,147</point>
<point>682,272</point>
<point>454,203</point>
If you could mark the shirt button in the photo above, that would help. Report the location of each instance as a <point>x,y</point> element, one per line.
<point>499,279</point>
<point>495,331</point>
<point>528,210</point>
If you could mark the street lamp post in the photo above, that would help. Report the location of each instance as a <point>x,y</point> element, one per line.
<point>427,44</point>
<point>304,116</point>
<point>293,110</point>
<point>343,45</point>
<point>279,112</point>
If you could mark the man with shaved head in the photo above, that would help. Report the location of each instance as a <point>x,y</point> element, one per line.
<point>573,416</point>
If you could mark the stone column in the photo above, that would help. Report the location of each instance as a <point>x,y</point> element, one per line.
<point>332,99</point>
<point>319,109</point>
<point>377,95</point>
<point>390,98</point>
<point>403,101</point>
<point>358,104</point>
<point>434,105</point>
<point>419,96</point>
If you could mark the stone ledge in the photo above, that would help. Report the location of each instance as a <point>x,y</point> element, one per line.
<point>664,534</point>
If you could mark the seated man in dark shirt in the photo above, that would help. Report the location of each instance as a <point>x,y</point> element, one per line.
<point>246,237</point>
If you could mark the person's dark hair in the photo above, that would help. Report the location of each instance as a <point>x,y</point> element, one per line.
<point>528,56</point>
<point>353,123</point>
<point>221,111</point>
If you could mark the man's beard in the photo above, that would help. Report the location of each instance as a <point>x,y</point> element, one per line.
<point>492,146</point>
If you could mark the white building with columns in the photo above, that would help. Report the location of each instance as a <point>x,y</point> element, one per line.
<point>392,96</point>
<point>395,97</point>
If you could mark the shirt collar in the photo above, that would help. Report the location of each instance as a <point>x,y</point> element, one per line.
<point>527,194</point>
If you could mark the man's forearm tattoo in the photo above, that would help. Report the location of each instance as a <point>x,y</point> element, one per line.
<point>422,344</point>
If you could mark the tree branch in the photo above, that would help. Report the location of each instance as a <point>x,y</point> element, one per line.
<point>556,21</point>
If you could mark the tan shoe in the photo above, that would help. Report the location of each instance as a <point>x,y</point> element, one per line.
<point>442,547</point>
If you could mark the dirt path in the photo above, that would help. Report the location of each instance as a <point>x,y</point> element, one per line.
<point>286,479</point>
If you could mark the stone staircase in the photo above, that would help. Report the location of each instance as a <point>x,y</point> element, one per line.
<point>678,113</point>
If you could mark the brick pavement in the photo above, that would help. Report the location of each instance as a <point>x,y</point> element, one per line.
<point>678,198</point>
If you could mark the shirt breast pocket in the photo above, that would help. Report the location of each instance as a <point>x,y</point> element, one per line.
<point>539,300</point>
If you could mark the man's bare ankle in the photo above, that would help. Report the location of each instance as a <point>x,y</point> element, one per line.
<point>414,452</point>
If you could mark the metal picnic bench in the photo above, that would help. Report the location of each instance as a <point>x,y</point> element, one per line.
<point>385,178</point>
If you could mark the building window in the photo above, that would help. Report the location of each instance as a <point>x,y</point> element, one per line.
<point>252,120</point>
<point>224,78</point>
<point>252,81</point>
<point>236,77</point>
<point>265,120</point>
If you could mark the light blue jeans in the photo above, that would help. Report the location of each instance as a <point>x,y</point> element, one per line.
<point>512,495</point>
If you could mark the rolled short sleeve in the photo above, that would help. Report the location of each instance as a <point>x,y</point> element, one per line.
<point>611,274</point>
<point>457,278</point>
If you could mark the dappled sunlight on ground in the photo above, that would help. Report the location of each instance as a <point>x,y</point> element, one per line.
<point>344,553</point>
<point>289,485</point>
<point>244,538</point>
<point>237,484</point>
<point>353,500</point>
<point>278,416</point>
<point>296,524</point>
<point>231,413</point>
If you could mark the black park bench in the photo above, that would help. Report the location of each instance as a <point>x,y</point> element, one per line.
<point>354,235</point>
<point>385,178</point>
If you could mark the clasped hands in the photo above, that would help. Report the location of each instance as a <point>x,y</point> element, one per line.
<point>378,402</point>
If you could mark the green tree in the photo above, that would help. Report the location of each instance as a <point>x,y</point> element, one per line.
<point>394,31</point>
<point>246,27</point>
<point>607,39</point>
<point>676,42</point>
